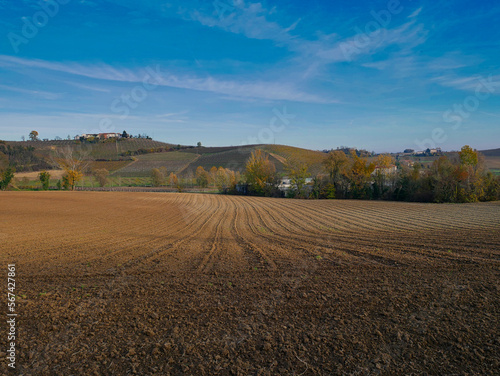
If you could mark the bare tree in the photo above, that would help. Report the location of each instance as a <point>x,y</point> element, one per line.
<point>74,162</point>
<point>101,175</point>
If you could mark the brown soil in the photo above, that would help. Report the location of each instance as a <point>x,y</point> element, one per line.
<point>113,283</point>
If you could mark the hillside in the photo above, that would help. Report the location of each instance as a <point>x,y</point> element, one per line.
<point>492,164</point>
<point>142,165</point>
<point>233,158</point>
<point>185,161</point>
<point>131,158</point>
<point>21,157</point>
<point>109,150</point>
<point>312,158</point>
<point>491,152</point>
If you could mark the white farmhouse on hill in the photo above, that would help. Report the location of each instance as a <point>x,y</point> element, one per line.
<point>102,136</point>
<point>105,136</point>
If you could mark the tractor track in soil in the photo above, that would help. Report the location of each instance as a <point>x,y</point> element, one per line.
<point>117,283</point>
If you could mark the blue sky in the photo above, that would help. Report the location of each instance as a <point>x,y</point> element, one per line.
<point>380,75</point>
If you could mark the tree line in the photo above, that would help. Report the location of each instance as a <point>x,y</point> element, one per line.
<point>455,178</point>
<point>461,178</point>
<point>22,158</point>
<point>349,175</point>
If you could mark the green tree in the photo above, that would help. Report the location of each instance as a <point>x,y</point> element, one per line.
<point>44,177</point>
<point>7,176</point>
<point>468,156</point>
<point>65,182</point>
<point>491,191</point>
<point>335,163</point>
<point>322,188</point>
<point>446,178</point>
<point>469,159</point>
<point>297,172</point>
<point>199,144</point>
<point>408,183</point>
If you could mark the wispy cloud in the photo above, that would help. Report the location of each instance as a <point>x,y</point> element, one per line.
<point>256,21</point>
<point>37,93</point>
<point>173,117</point>
<point>222,79</point>
<point>407,36</point>
<point>251,20</point>
<point>88,87</point>
<point>422,71</point>
<point>404,65</point>
<point>416,12</point>
<point>476,83</point>
<point>170,114</point>
<point>257,89</point>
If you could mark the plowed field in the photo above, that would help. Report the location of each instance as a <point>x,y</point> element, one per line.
<point>115,283</point>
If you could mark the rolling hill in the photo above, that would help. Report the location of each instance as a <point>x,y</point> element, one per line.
<point>232,158</point>
<point>142,165</point>
<point>137,157</point>
<point>184,162</point>
<point>491,152</point>
<point>110,150</point>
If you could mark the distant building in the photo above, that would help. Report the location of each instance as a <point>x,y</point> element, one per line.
<point>392,169</point>
<point>286,183</point>
<point>89,135</point>
<point>101,136</point>
<point>402,155</point>
<point>105,136</point>
<point>432,151</point>
<point>406,162</point>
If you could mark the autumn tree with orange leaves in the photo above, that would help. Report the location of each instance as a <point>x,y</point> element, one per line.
<point>202,177</point>
<point>359,176</point>
<point>260,174</point>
